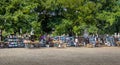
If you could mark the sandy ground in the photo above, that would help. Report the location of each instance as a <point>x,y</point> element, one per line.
<point>55,56</point>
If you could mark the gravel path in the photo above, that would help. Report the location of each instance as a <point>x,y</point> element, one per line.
<point>55,56</point>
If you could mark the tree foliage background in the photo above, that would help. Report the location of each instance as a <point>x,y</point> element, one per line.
<point>61,16</point>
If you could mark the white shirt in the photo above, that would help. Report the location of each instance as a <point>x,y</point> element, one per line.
<point>76,40</point>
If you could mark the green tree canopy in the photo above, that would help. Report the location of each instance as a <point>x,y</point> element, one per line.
<point>65,16</point>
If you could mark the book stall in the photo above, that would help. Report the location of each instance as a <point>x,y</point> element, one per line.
<point>14,41</point>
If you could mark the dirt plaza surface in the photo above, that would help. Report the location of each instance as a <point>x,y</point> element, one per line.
<point>63,56</point>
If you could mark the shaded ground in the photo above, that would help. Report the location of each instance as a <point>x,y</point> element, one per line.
<point>55,56</point>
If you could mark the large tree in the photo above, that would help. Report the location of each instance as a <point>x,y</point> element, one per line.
<point>64,16</point>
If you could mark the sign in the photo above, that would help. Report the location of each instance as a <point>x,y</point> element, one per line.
<point>20,31</point>
<point>86,34</point>
<point>32,31</point>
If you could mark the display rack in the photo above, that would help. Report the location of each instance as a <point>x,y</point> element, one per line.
<point>15,42</point>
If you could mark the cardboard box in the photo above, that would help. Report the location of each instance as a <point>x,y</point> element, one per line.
<point>89,46</point>
<point>118,43</point>
<point>64,45</point>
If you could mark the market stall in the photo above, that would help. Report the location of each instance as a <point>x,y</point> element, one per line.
<point>31,44</point>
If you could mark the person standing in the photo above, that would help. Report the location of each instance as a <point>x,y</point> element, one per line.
<point>112,41</point>
<point>107,40</point>
<point>118,36</point>
<point>94,40</point>
<point>86,39</point>
<point>76,42</point>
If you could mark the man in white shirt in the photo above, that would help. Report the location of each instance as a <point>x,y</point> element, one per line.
<point>76,42</point>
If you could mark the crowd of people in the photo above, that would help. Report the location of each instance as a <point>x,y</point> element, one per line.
<point>95,40</point>
<point>65,41</point>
